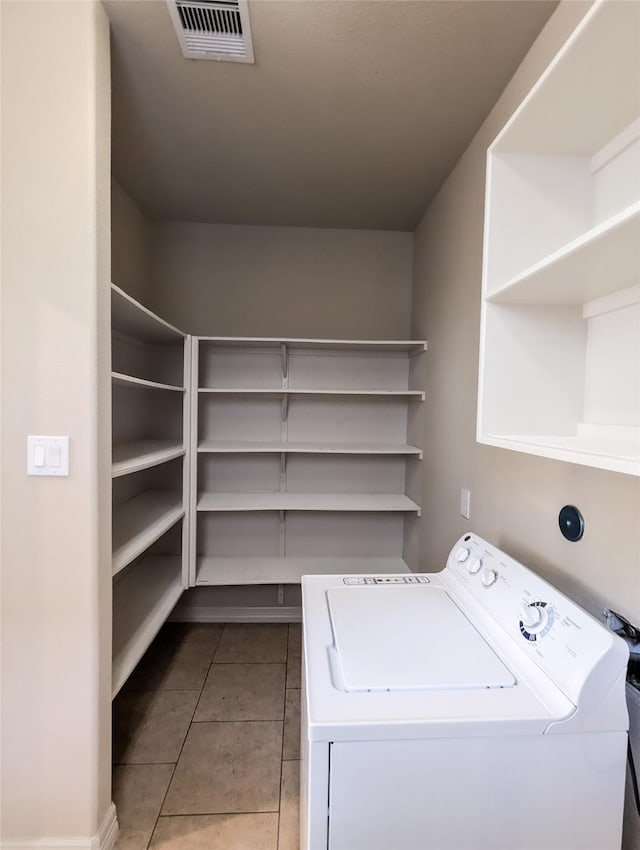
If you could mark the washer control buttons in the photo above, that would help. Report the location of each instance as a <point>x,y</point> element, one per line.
<point>536,620</point>
<point>475,565</point>
<point>489,577</point>
<point>385,580</point>
<point>462,554</point>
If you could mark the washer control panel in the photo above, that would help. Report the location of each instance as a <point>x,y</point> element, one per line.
<point>398,579</point>
<point>560,637</point>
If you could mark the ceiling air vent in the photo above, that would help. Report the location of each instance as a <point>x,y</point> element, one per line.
<point>213,29</point>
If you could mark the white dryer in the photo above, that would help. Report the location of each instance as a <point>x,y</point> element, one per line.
<point>472,709</point>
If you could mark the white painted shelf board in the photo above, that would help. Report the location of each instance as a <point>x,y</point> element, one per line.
<point>306,502</point>
<point>140,522</point>
<point>142,600</point>
<point>614,455</point>
<point>581,270</point>
<point>569,111</point>
<point>280,392</point>
<point>130,318</point>
<point>143,454</point>
<point>237,571</point>
<point>247,447</point>
<point>409,346</point>
<point>130,381</point>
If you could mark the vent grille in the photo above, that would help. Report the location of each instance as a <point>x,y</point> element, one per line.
<point>213,29</point>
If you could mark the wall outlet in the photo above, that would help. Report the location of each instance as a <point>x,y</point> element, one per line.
<point>465,503</point>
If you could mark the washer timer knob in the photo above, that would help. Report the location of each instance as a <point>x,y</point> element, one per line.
<point>488,577</point>
<point>531,615</point>
<point>462,554</point>
<point>534,617</point>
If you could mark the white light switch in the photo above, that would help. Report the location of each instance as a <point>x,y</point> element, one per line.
<point>47,455</point>
<point>465,503</point>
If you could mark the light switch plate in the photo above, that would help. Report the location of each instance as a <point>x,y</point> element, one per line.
<point>47,455</point>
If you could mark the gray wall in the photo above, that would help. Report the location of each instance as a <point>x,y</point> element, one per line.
<point>515,497</point>
<point>56,554</point>
<point>130,244</point>
<point>235,280</point>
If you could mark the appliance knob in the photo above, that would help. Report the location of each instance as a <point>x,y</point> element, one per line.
<point>488,576</point>
<point>534,617</point>
<point>462,554</point>
<point>475,565</point>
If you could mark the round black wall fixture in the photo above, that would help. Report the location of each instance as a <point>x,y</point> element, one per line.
<point>571,523</point>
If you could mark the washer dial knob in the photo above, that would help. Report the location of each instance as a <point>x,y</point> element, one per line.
<point>530,615</point>
<point>475,565</point>
<point>534,617</point>
<point>489,577</point>
<point>462,554</point>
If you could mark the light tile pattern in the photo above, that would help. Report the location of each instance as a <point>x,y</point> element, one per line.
<point>243,692</point>
<point>217,832</point>
<point>206,740</point>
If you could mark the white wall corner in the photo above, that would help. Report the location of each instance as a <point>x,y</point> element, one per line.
<point>104,839</point>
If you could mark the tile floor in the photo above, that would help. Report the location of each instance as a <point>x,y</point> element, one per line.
<point>206,740</point>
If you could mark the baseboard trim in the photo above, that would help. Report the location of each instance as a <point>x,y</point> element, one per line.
<point>104,839</point>
<point>247,614</point>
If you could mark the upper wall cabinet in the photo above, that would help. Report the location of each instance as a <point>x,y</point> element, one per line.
<point>560,331</point>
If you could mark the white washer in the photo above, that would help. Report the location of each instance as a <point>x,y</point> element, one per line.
<point>472,709</point>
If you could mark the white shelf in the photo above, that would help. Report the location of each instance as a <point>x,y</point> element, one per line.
<point>616,455</point>
<point>571,111</point>
<point>580,271</point>
<point>236,571</point>
<point>140,522</point>
<point>408,346</point>
<point>280,392</point>
<point>121,380</point>
<point>306,502</point>
<point>256,447</point>
<point>130,318</point>
<point>143,598</point>
<point>132,457</point>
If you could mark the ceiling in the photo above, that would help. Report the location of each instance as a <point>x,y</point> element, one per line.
<point>353,115</point>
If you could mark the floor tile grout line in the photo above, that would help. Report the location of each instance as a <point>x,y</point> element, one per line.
<point>173,772</point>
<point>216,814</point>
<point>284,715</point>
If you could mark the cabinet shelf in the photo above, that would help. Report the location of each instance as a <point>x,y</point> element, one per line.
<point>143,598</point>
<point>580,270</point>
<point>140,522</point>
<point>280,392</point>
<point>143,454</point>
<point>239,571</point>
<point>306,502</point>
<point>258,447</point>
<point>118,379</point>
<point>605,452</point>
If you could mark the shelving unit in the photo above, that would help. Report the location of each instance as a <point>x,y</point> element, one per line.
<point>151,363</point>
<point>303,459</point>
<point>560,330</point>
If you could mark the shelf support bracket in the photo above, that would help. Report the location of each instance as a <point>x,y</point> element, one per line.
<point>285,365</point>
<point>282,536</point>
<point>283,472</point>
<point>281,594</point>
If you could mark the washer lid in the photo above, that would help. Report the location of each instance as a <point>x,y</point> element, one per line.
<point>409,638</point>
